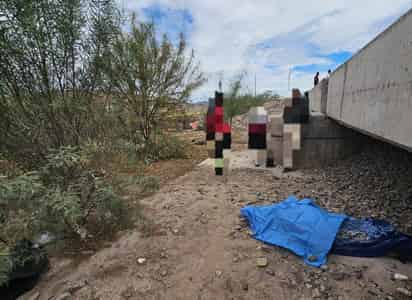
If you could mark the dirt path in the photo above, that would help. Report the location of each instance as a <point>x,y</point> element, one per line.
<point>196,247</point>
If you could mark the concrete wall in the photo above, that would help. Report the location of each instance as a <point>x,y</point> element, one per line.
<point>322,141</point>
<point>372,92</point>
<point>318,97</point>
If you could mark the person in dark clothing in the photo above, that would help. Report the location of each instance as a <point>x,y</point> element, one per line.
<point>316,79</point>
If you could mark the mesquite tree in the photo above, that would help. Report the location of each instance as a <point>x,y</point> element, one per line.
<point>150,77</point>
<point>231,103</point>
<point>51,54</point>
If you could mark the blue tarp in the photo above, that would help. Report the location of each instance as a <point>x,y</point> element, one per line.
<point>371,238</point>
<point>300,226</point>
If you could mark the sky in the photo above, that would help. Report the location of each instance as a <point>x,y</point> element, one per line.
<point>269,39</point>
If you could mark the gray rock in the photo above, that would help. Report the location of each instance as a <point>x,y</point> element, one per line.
<point>75,286</point>
<point>324,268</point>
<point>316,293</point>
<point>312,258</point>
<point>404,291</point>
<point>64,296</point>
<point>308,286</point>
<point>35,296</point>
<point>400,277</point>
<point>228,285</point>
<point>244,284</point>
<point>338,276</point>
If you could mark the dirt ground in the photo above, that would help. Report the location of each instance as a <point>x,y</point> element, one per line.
<point>199,248</point>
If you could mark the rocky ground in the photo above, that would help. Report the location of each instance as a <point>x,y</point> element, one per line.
<point>195,245</point>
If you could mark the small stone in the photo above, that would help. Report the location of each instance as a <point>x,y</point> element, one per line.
<point>308,286</point>
<point>228,285</point>
<point>338,276</point>
<point>262,262</point>
<point>244,284</point>
<point>401,277</point>
<point>270,272</point>
<point>35,296</point>
<point>322,288</point>
<point>163,273</point>
<point>175,231</point>
<point>316,293</point>
<point>267,249</point>
<point>237,228</point>
<point>358,274</point>
<point>235,259</point>
<point>324,268</point>
<point>218,273</point>
<point>73,287</point>
<point>141,260</point>
<point>312,258</point>
<point>65,296</point>
<point>404,291</point>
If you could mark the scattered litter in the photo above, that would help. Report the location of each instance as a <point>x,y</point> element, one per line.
<point>45,239</point>
<point>141,260</point>
<point>262,262</point>
<point>400,277</point>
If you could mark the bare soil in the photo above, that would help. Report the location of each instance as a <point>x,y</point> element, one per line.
<point>197,247</point>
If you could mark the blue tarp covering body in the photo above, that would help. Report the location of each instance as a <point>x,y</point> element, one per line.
<point>371,238</point>
<point>300,226</point>
<point>309,231</point>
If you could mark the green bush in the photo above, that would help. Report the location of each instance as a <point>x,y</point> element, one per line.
<point>64,198</point>
<point>52,56</point>
<point>165,147</point>
<point>5,266</point>
<point>241,104</point>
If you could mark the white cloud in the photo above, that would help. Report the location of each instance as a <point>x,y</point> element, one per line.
<point>228,36</point>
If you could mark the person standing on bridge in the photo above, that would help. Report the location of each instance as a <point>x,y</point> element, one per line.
<point>316,79</point>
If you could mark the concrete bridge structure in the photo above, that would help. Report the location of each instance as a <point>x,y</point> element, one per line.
<point>372,92</point>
